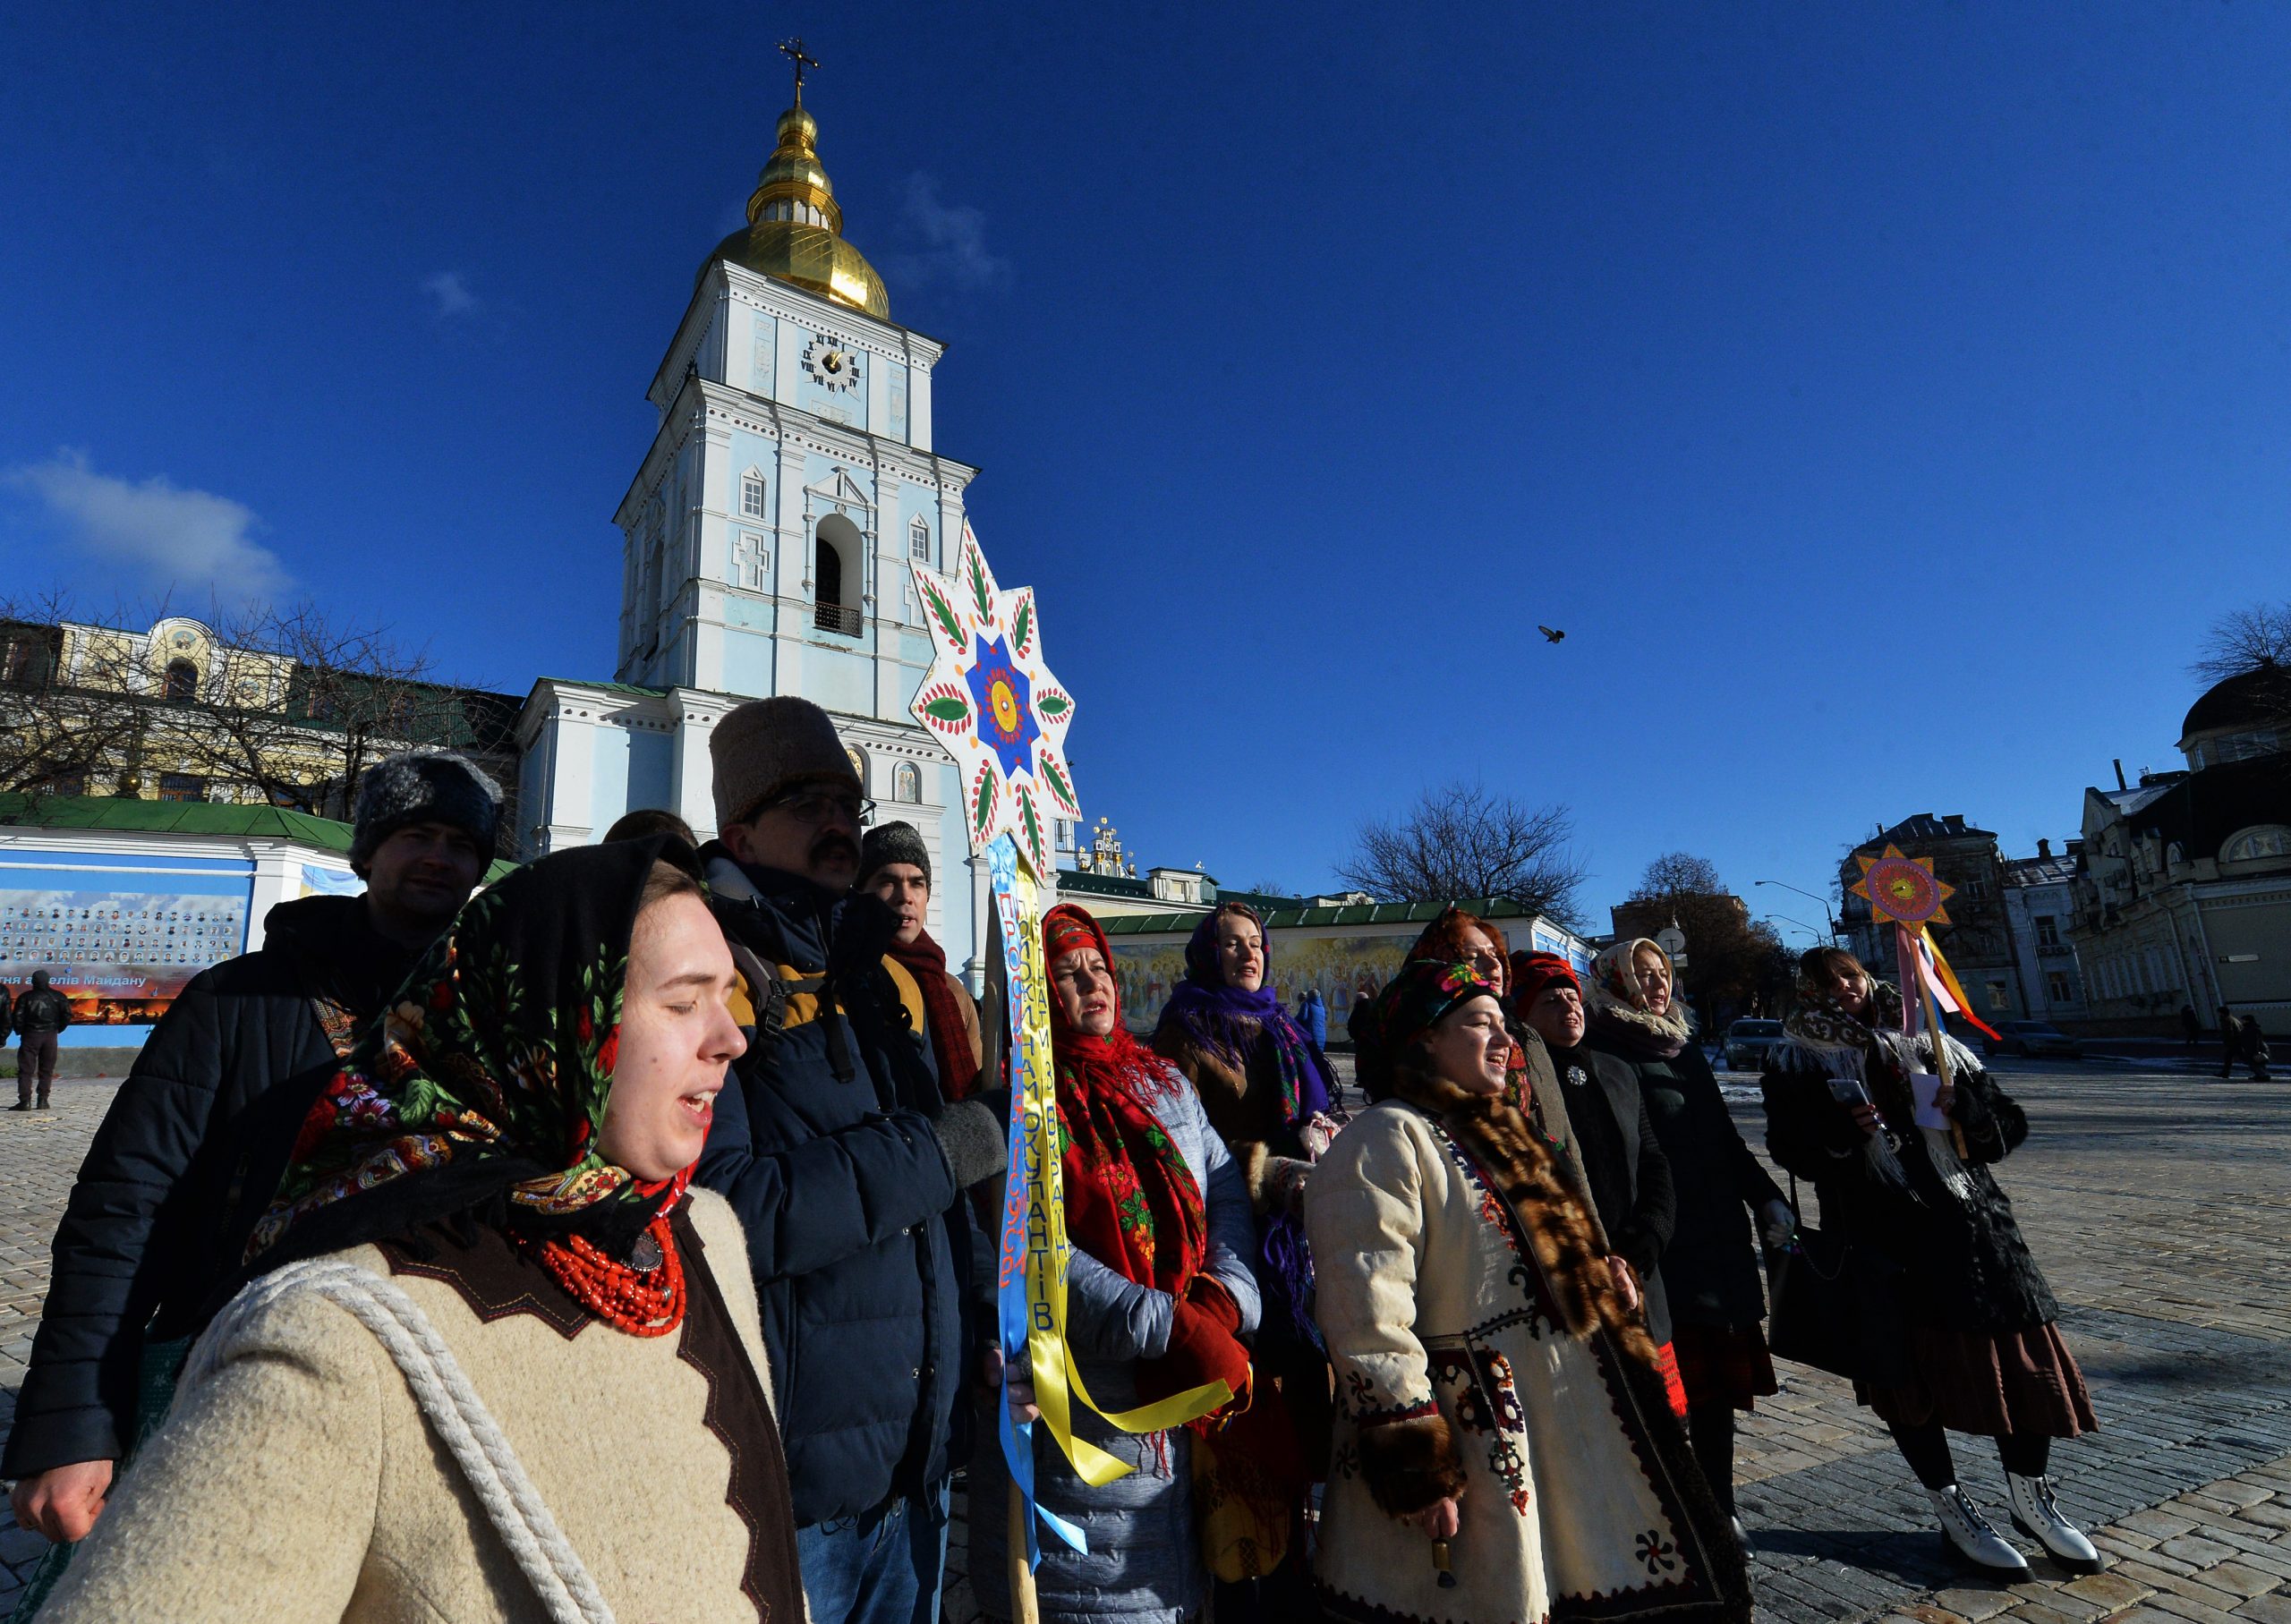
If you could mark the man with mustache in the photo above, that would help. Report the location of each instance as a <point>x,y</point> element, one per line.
<point>832,1142</point>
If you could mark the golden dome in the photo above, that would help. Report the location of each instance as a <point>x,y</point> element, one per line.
<point>794,229</point>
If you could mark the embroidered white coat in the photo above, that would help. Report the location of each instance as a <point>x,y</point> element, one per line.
<point>1431,1301</point>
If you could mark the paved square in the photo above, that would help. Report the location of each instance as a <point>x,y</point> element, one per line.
<point>2159,1205</point>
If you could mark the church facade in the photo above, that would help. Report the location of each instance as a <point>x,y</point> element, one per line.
<point>766,545</point>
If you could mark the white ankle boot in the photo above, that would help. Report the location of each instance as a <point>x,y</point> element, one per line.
<point>1972,1535</point>
<point>2037,1514</point>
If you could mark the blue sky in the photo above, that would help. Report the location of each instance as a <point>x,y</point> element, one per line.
<point>1883,399</point>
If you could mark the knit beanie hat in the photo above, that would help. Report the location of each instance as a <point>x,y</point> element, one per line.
<point>889,842</point>
<point>1531,972</point>
<point>423,786</point>
<point>763,746</point>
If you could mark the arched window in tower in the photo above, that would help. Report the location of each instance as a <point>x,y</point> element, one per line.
<point>840,576</point>
<point>907,784</point>
<point>918,540</point>
<point>751,494</point>
<point>858,760</point>
<point>182,681</point>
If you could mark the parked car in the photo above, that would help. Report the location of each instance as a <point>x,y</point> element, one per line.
<point>2031,1038</point>
<point>1747,1041</point>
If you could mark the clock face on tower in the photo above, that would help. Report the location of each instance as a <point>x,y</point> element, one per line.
<point>830,365</point>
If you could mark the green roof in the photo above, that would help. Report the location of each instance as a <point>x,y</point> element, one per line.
<point>1352,913</point>
<point>126,813</point>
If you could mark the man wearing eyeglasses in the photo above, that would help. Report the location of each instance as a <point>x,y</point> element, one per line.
<point>832,1140</point>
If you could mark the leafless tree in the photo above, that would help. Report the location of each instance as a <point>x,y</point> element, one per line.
<point>2245,640</point>
<point>2256,639</point>
<point>60,729</point>
<point>298,703</point>
<point>1460,841</point>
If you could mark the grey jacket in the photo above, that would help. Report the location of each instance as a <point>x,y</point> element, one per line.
<point>1144,1565</point>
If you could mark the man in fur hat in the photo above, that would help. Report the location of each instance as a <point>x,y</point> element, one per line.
<point>153,1226</point>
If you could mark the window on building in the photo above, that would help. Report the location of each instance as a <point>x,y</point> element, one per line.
<point>751,562</point>
<point>2056,987</point>
<point>2267,841</point>
<point>835,586</point>
<point>918,540</point>
<point>2000,996</point>
<point>2048,930</point>
<point>182,681</point>
<point>752,495</point>
<point>907,783</point>
<point>181,787</point>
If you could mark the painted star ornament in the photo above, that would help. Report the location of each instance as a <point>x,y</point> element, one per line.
<point>989,699</point>
<point>1904,889</point>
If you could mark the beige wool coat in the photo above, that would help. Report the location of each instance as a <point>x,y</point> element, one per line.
<point>1481,1351</point>
<point>295,1482</point>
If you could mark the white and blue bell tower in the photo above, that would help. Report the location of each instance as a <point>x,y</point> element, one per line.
<point>766,541</point>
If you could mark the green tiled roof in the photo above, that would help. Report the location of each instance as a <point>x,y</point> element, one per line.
<point>1355,913</point>
<point>127,813</point>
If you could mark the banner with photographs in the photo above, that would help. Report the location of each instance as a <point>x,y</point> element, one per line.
<point>120,945</point>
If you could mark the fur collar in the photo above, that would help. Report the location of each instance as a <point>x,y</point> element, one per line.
<point>1552,1219</point>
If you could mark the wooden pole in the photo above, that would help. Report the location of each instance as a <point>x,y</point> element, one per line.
<point>1024,1609</point>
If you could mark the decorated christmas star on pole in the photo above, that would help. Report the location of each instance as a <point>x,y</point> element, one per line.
<point>992,702</point>
<point>1907,892</point>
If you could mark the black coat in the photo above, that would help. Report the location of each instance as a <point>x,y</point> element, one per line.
<point>40,1011</point>
<point>1710,1269</point>
<point>1964,1264</point>
<point>188,1153</point>
<point>1630,1180</point>
<point>862,1255</point>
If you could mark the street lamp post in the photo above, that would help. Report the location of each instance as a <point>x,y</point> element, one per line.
<point>1798,923</point>
<point>1834,929</point>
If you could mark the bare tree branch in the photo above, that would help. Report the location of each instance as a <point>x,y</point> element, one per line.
<point>2245,640</point>
<point>1459,842</point>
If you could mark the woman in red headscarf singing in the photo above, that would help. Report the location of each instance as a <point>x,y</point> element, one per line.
<point>1158,1295</point>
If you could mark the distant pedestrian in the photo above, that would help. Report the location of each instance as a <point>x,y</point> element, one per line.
<point>2251,1047</point>
<point>1312,1015</point>
<point>2231,1041</point>
<point>1960,1331</point>
<point>2191,1027</point>
<point>40,1016</point>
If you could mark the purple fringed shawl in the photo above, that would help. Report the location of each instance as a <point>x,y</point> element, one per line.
<point>1227,1023</point>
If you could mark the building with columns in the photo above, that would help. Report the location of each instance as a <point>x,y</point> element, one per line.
<point>766,541</point>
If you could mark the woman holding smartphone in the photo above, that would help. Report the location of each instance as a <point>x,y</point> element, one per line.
<point>1913,1192</point>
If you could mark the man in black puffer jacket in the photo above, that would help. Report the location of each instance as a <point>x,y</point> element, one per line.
<point>831,1142</point>
<point>197,1134</point>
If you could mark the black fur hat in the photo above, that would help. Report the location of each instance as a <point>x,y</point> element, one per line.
<point>423,786</point>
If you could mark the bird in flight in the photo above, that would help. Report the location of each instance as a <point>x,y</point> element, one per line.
<point>1552,635</point>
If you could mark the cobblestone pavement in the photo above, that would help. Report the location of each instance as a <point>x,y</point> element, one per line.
<point>2159,1206</point>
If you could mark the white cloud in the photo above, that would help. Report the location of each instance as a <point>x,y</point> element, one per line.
<point>178,538</point>
<point>449,290</point>
<point>952,239</point>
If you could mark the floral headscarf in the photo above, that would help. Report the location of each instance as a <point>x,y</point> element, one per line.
<point>488,1075</point>
<point>1615,1003</point>
<point>1131,1201</point>
<point>1420,992</point>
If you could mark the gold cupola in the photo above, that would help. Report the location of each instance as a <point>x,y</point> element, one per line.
<point>794,229</point>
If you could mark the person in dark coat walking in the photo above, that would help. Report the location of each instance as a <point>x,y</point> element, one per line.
<point>2190,1028</point>
<point>2251,1047</point>
<point>197,1134</point>
<point>844,1162</point>
<point>1710,1271</point>
<point>40,1016</point>
<point>1935,1244</point>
